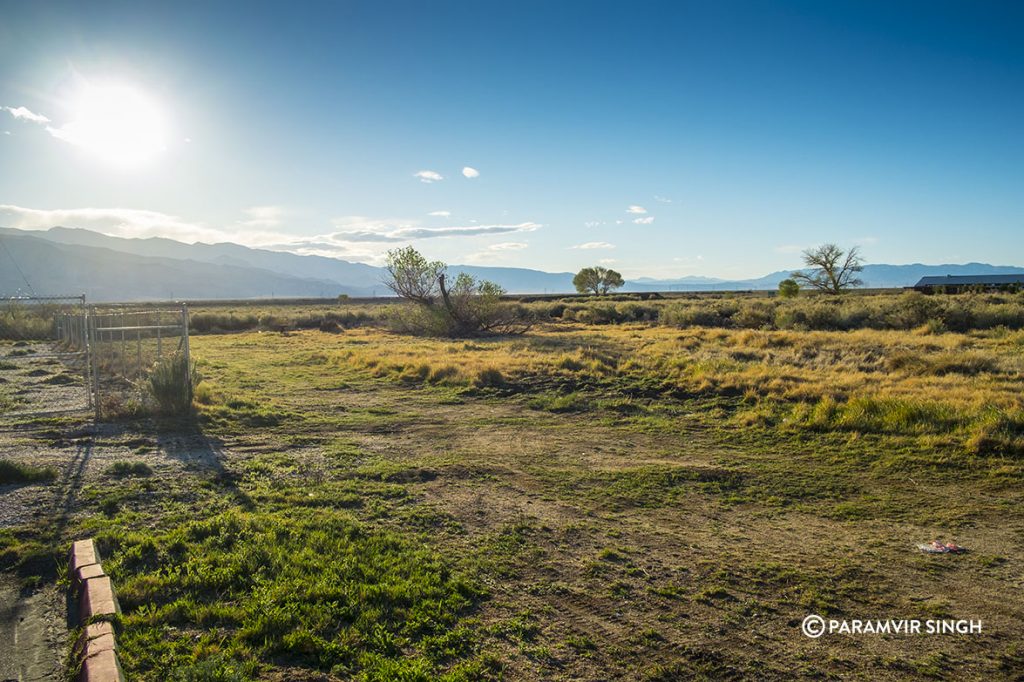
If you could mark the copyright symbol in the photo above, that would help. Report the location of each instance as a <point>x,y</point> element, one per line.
<point>813,626</point>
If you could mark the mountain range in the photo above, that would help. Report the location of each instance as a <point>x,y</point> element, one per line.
<point>65,260</point>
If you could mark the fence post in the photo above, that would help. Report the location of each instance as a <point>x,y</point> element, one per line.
<point>185,348</point>
<point>89,333</point>
<point>76,326</point>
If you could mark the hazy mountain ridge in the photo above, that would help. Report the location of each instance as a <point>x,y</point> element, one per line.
<point>102,274</point>
<point>70,260</point>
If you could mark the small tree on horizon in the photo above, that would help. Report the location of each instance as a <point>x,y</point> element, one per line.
<point>465,307</point>
<point>834,270</point>
<point>788,288</point>
<point>597,280</point>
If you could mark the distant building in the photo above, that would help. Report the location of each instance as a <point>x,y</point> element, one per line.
<point>952,284</point>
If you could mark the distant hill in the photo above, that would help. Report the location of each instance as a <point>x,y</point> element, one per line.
<point>358,276</point>
<point>106,275</point>
<point>878,276</point>
<point>71,260</point>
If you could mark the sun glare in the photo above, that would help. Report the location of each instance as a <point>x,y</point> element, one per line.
<point>117,124</point>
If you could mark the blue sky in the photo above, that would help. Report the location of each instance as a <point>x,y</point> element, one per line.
<point>665,139</point>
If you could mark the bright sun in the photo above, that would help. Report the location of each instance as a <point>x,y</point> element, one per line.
<point>117,124</point>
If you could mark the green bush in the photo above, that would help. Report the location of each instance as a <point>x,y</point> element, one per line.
<point>788,288</point>
<point>688,315</point>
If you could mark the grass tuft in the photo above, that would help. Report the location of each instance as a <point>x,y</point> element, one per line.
<point>17,472</point>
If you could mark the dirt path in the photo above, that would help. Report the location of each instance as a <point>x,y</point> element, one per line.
<point>32,632</point>
<point>33,627</point>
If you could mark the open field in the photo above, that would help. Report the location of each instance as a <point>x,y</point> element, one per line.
<point>644,499</point>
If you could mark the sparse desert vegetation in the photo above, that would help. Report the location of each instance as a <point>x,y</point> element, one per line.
<point>634,489</point>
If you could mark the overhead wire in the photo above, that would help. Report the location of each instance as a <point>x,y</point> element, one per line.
<point>17,267</point>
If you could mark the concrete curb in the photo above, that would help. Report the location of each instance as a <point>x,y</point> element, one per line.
<point>96,647</point>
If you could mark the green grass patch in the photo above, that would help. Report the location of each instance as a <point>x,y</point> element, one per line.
<point>17,472</point>
<point>317,589</point>
<point>122,469</point>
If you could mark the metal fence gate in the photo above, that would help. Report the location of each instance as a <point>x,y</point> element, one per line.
<point>44,356</point>
<point>124,346</point>
<point>57,356</point>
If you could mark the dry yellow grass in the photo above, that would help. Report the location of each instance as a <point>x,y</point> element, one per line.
<point>908,383</point>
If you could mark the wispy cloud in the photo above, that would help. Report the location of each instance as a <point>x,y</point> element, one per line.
<point>428,176</point>
<point>607,261</point>
<point>663,200</point>
<point>495,253</point>
<point>470,172</point>
<point>644,221</point>
<point>789,248</point>
<point>264,216</point>
<point>24,114</point>
<point>593,245</point>
<point>440,214</point>
<point>593,223</point>
<point>363,230</point>
<point>636,209</point>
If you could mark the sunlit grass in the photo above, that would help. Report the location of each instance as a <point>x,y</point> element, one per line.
<point>872,381</point>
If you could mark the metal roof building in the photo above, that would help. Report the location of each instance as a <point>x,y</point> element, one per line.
<point>960,282</point>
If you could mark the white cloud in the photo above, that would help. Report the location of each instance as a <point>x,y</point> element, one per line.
<point>440,214</point>
<point>495,253</point>
<point>357,229</point>
<point>644,221</point>
<point>470,172</point>
<point>24,114</point>
<point>594,245</point>
<point>607,261</point>
<point>593,223</point>
<point>428,176</point>
<point>263,216</point>
<point>636,209</point>
<point>664,200</point>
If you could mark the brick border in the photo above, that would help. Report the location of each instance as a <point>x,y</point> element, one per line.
<point>96,648</point>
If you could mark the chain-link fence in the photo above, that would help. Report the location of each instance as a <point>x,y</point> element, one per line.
<point>56,356</point>
<point>44,356</point>
<point>126,345</point>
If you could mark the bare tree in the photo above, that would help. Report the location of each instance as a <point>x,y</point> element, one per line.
<point>466,307</point>
<point>834,270</point>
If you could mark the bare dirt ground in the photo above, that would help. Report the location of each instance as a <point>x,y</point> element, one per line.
<point>740,570</point>
<point>42,379</point>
